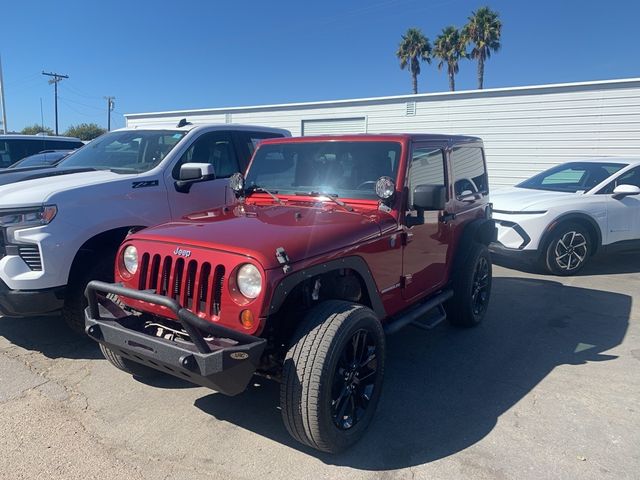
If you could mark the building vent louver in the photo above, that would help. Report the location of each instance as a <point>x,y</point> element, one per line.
<point>411,109</point>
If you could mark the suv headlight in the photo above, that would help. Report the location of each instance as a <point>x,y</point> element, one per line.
<point>130,259</point>
<point>249,280</point>
<point>17,219</point>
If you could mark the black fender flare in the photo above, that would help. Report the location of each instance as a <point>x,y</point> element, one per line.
<point>568,217</point>
<point>356,263</point>
<point>481,230</point>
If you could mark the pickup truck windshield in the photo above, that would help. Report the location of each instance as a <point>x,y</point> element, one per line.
<point>339,168</point>
<point>572,177</point>
<point>128,151</point>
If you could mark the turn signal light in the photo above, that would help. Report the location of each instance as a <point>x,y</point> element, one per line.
<point>246,319</point>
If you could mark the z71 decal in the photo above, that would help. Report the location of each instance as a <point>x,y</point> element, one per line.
<point>146,183</point>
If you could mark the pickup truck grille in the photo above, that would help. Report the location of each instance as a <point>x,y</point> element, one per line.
<point>31,256</point>
<point>196,286</point>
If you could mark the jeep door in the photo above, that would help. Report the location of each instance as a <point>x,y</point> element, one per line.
<point>427,234</point>
<point>469,188</point>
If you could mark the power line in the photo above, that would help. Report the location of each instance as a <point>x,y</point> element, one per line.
<point>55,79</point>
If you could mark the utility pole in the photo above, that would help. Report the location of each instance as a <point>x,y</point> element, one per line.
<point>55,78</point>
<point>4,111</point>
<point>110,106</point>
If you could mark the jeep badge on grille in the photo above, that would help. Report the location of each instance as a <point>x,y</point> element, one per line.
<point>182,253</point>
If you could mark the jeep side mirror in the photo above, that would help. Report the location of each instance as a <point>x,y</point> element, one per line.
<point>624,190</point>
<point>429,197</point>
<point>191,173</point>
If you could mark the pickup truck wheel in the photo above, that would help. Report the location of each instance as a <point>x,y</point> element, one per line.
<point>472,289</point>
<point>128,366</point>
<point>332,375</point>
<point>75,302</point>
<point>568,250</point>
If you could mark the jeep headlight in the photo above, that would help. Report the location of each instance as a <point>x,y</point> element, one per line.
<point>17,219</point>
<point>249,280</point>
<point>130,259</point>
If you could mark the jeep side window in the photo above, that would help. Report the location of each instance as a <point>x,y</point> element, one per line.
<point>469,174</point>
<point>427,168</point>
<point>215,148</point>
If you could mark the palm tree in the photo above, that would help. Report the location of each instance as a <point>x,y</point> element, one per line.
<point>413,48</point>
<point>483,31</point>
<point>450,48</point>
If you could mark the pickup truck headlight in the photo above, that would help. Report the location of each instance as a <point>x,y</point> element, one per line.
<point>130,259</point>
<point>249,280</point>
<point>17,219</point>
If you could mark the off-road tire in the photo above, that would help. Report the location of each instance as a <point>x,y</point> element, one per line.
<point>462,310</point>
<point>128,366</point>
<point>571,233</point>
<point>310,369</point>
<point>75,302</point>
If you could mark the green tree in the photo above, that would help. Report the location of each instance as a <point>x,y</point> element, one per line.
<point>85,131</point>
<point>414,47</point>
<point>36,129</point>
<point>483,31</point>
<point>449,47</point>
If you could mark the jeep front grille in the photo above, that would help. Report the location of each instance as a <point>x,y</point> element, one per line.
<point>196,286</point>
<point>30,254</point>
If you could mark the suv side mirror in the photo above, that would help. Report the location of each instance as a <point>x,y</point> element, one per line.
<point>191,173</point>
<point>429,197</point>
<point>624,190</point>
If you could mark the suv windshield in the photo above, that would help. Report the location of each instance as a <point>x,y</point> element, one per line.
<point>344,169</point>
<point>572,177</point>
<point>128,151</point>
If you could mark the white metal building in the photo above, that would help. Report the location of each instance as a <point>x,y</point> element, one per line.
<point>525,129</point>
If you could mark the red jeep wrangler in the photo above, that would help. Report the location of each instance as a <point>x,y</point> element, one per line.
<point>331,243</point>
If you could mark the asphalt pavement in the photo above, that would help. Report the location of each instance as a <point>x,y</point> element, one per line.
<point>547,387</point>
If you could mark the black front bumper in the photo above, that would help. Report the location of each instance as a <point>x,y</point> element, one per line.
<point>225,361</point>
<point>25,303</point>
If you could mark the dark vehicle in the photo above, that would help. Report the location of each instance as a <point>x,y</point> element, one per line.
<point>17,147</point>
<point>47,158</point>
<point>331,243</point>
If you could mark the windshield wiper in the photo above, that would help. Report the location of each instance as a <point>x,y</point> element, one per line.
<point>330,196</point>
<point>256,188</point>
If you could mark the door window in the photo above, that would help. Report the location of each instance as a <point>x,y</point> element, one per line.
<point>427,168</point>
<point>215,148</point>
<point>469,174</point>
<point>632,177</point>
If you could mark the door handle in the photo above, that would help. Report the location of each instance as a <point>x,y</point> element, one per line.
<point>447,217</point>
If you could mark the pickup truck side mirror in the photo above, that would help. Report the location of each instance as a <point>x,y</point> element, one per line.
<point>429,197</point>
<point>191,173</point>
<point>624,190</point>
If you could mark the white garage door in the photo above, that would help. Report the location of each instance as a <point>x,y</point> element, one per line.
<point>334,126</point>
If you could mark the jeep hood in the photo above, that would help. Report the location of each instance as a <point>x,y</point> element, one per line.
<point>257,231</point>
<point>517,199</point>
<point>40,190</point>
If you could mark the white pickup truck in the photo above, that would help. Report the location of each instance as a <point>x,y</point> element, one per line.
<point>59,231</point>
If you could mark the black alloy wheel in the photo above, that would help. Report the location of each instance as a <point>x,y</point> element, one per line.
<point>354,380</point>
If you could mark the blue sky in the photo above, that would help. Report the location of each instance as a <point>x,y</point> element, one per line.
<point>159,55</point>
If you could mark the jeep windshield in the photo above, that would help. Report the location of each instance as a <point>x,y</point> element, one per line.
<point>572,177</point>
<point>128,151</point>
<point>335,168</point>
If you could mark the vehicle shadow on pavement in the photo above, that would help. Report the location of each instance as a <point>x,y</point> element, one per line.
<point>606,264</point>
<point>49,335</point>
<point>445,389</point>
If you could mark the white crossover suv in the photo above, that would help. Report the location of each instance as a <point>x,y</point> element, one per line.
<point>564,215</point>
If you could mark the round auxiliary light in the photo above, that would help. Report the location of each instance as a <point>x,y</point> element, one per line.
<point>246,319</point>
<point>385,188</point>
<point>236,182</point>
<point>249,280</point>
<point>130,259</point>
